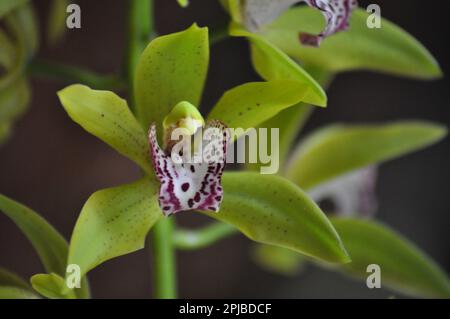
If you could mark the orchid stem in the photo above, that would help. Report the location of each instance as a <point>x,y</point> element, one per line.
<point>164,263</point>
<point>74,74</point>
<point>140,32</point>
<point>195,239</point>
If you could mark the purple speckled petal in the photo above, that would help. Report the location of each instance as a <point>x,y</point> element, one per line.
<point>189,185</point>
<point>337,14</point>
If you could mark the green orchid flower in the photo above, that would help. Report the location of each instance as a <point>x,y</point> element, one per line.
<point>169,80</point>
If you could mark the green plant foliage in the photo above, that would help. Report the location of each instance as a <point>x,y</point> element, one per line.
<point>10,279</point>
<point>18,42</point>
<point>387,49</point>
<point>46,240</point>
<point>7,6</point>
<point>272,210</point>
<point>7,292</point>
<point>56,25</point>
<point>404,267</point>
<point>48,243</point>
<point>337,149</point>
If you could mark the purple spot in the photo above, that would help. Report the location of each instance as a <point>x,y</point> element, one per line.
<point>185,187</point>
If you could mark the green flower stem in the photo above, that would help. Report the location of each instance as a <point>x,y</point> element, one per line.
<point>75,74</point>
<point>140,31</point>
<point>164,259</point>
<point>195,239</point>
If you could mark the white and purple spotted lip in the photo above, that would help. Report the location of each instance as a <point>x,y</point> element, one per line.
<point>337,14</point>
<point>191,185</point>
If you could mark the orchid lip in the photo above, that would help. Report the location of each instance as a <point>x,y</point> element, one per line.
<point>187,185</point>
<point>336,12</point>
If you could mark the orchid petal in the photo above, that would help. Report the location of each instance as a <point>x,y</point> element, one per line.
<point>351,193</point>
<point>336,12</point>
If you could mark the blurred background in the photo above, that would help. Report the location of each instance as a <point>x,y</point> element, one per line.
<point>52,165</point>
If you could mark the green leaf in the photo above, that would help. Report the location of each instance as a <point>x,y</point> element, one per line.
<point>269,209</point>
<point>7,6</point>
<point>278,260</point>
<point>118,218</point>
<point>5,132</point>
<point>7,292</point>
<point>48,243</point>
<point>338,149</point>
<point>107,116</point>
<point>56,22</point>
<point>387,49</point>
<point>29,28</point>
<point>248,105</point>
<point>52,286</point>
<point>403,266</point>
<point>22,26</point>
<point>10,279</point>
<point>46,240</point>
<point>8,51</point>
<point>172,69</point>
<point>272,64</point>
<point>14,100</point>
<point>14,55</point>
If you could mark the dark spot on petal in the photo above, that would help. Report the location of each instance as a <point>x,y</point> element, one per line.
<point>185,187</point>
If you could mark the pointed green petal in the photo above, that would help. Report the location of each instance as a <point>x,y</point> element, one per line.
<point>271,64</point>
<point>52,286</point>
<point>272,210</point>
<point>172,69</point>
<point>114,222</point>
<point>403,266</point>
<point>335,150</point>
<point>107,116</point>
<point>249,105</point>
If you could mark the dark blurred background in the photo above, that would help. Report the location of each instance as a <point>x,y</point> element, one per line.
<point>52,165</point>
